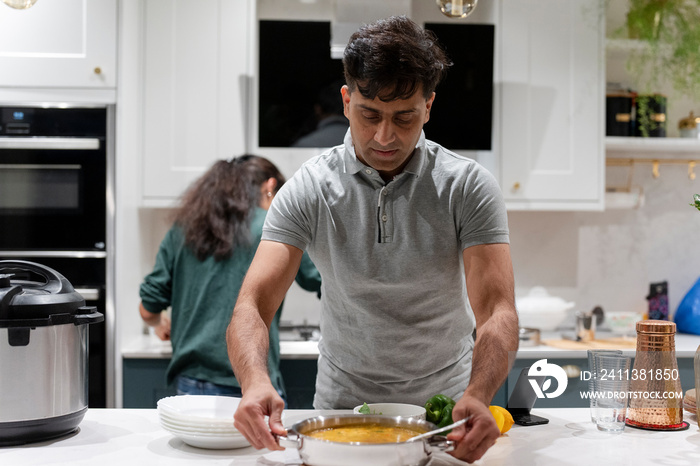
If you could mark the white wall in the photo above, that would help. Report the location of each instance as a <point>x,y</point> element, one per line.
<point>610,258</point>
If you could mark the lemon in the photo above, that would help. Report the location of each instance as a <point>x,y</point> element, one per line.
<point>509,420</point>
<point>503,418</point>
<point>498,416</point>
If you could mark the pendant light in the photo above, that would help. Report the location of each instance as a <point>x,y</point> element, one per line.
<point>19,4</point>
<point>456,8</point>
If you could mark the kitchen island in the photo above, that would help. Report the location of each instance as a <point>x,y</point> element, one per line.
<point>111,437</point>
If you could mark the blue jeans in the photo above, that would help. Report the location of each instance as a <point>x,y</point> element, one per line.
<point>191,386</point>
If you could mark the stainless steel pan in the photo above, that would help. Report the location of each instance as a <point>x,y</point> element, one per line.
<point>316,452</point>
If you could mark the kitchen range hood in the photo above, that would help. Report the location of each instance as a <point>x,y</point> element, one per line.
<point>349,15</point>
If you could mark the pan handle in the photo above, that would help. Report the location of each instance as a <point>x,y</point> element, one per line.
<point>440,443</point>
<point>88,315</point>
<point>290,441</point>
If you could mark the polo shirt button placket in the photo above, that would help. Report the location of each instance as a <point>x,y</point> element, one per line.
<point>385,193</point>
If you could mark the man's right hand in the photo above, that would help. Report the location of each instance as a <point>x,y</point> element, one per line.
<point>259,401</point>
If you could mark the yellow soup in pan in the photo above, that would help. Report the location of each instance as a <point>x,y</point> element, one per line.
<point>365,433</point>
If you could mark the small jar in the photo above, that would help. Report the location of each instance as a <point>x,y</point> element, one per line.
<point>656,396</point>
<point>688,126</point>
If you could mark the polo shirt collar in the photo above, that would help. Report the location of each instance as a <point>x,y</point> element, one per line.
<point>353,165</point>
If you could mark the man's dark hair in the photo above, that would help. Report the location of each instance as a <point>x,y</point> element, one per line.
<point>392,58</point>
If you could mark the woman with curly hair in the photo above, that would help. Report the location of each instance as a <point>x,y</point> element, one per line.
<point>199,270</point>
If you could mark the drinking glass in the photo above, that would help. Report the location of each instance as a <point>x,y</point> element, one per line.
<point>592,369</point>
<point>611,386</point>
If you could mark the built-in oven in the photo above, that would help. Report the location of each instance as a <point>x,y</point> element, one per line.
<point>57,209</point>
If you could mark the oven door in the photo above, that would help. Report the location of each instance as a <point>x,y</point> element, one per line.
<point>52,193</point>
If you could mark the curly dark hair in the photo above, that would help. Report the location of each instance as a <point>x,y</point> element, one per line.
<point>392,58</point>
<point>215,211</point>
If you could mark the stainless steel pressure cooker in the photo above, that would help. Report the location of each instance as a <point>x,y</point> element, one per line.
<point>43,353</point>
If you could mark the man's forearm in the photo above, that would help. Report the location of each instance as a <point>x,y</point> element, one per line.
<point>494,353</point>
<point>247,338</point>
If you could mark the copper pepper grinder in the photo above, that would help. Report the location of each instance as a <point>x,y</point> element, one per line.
<point>656,396</point>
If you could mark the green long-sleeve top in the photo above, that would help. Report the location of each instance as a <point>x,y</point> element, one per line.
<point>202,295</point>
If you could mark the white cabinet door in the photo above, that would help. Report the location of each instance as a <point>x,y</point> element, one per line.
<point>59,44</point>
<point>194,94</point>
<point>552,104</point>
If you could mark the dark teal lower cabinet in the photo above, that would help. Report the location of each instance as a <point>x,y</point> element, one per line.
<point>501,396</point>
<point>300,382</point>
<point>144,382</point>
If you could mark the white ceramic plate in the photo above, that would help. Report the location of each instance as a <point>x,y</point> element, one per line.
<point>199,408</point>
<point>222,424</point>
<point>394,409</point>
<point>203,432</point>
<point>197,429</point>
<point>213,442</point>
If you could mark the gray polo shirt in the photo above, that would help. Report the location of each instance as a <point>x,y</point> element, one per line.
<point>395,318</point>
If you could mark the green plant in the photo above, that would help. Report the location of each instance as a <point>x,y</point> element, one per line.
<point>648,111</point>
<point>696,201</point>
<point>671,31</point>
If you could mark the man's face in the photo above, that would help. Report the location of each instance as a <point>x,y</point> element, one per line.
<point>385,133</point>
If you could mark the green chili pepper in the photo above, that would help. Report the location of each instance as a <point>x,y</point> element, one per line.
<point>438,410</point>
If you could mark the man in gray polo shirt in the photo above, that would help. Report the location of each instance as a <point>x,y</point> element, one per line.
<point>406,235</point>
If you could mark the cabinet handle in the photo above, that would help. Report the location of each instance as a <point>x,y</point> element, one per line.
<point>89,294</point>
<point>49,143</point>
<point>516,186</point>
<point>98,70</point>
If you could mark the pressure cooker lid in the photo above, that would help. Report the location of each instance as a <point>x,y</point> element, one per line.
<point>31,291</point>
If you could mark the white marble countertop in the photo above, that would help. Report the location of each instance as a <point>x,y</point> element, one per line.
<point>110,437</point>
<point>149,347</point>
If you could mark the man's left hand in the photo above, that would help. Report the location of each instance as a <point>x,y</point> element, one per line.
<point>478,434</point>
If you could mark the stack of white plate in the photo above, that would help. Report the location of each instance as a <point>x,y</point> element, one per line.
<point>202,421</point>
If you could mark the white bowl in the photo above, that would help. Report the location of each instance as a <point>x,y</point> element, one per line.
<point>394,409</point>
<point>541,311</point>
<point>622,323</point>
